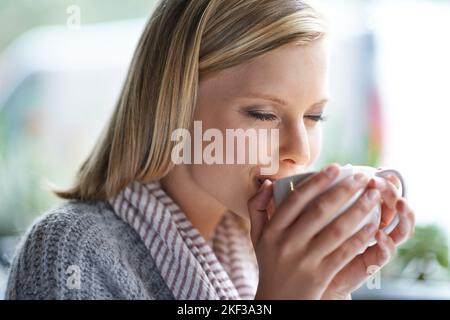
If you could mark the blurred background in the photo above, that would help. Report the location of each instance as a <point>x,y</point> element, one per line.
<point>62,65</point>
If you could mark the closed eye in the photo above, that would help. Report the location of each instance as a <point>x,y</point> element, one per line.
<point>267,116</point>
<point>317,118</point>
<point>263,116</point>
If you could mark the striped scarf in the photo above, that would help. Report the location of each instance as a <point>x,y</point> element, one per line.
<point>224,267</point>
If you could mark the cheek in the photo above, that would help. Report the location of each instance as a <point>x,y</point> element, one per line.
<point>230,185</point>
<point>315,141</point>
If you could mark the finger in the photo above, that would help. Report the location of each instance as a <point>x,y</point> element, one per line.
<point>389,192</point>
<point>271,208</point>
<point>257,207</point>
<point>390,195</point>
<point>321,211</point>
<point>406,223</point>
<point>394,180</point>
<point>379,254</point>
<point>387,248</point>
<point>387,214</point>
<point>337,232</point>
<point>351,248</point>
<point>301,195</point>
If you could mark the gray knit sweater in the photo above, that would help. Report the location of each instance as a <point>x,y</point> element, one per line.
<point>83,250</point>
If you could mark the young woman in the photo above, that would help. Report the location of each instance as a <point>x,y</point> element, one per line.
<point>137,226</point>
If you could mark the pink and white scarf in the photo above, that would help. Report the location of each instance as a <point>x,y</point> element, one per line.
<point>222,268</point>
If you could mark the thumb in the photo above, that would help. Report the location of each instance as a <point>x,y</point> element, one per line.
<point>257,208</point>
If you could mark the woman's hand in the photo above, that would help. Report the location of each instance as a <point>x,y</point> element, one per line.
<point>299,251</point>
<point>352,276</point>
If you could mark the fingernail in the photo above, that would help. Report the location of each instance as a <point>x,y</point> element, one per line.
<point>263,185</point>
<point>373,183</point>
<point>373,195</point>
<point>359,178</point>
<point>404,228</point>
<point>384,253</point>
<point>331,171</point>
<point>400,205</point>
<point>369,228</point>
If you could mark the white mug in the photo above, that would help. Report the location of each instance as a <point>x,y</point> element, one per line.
<point>284,186</point>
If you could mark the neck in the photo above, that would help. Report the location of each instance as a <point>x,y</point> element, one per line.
<point>200,208</point>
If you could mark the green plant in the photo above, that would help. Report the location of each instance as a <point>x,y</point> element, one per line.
<point>424,253</point>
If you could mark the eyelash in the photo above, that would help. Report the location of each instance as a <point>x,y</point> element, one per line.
<point>262,116</point>
<point>271,117</point>
<point>317,118</point>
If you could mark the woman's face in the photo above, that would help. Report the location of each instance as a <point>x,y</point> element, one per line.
<point>285,89</point>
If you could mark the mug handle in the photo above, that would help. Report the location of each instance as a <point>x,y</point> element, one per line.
<point>391,172</point>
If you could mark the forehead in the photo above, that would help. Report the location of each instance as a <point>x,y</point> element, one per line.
<point>291,71</point>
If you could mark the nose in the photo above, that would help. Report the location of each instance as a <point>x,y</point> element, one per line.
<point>294,145</point>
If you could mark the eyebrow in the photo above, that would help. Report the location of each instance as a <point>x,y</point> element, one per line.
<point>279,100</point>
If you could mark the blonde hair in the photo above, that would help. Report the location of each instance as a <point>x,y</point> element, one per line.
<point>182,42</point>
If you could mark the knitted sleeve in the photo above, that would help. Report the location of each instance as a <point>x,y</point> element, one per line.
<point>69,254</point>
